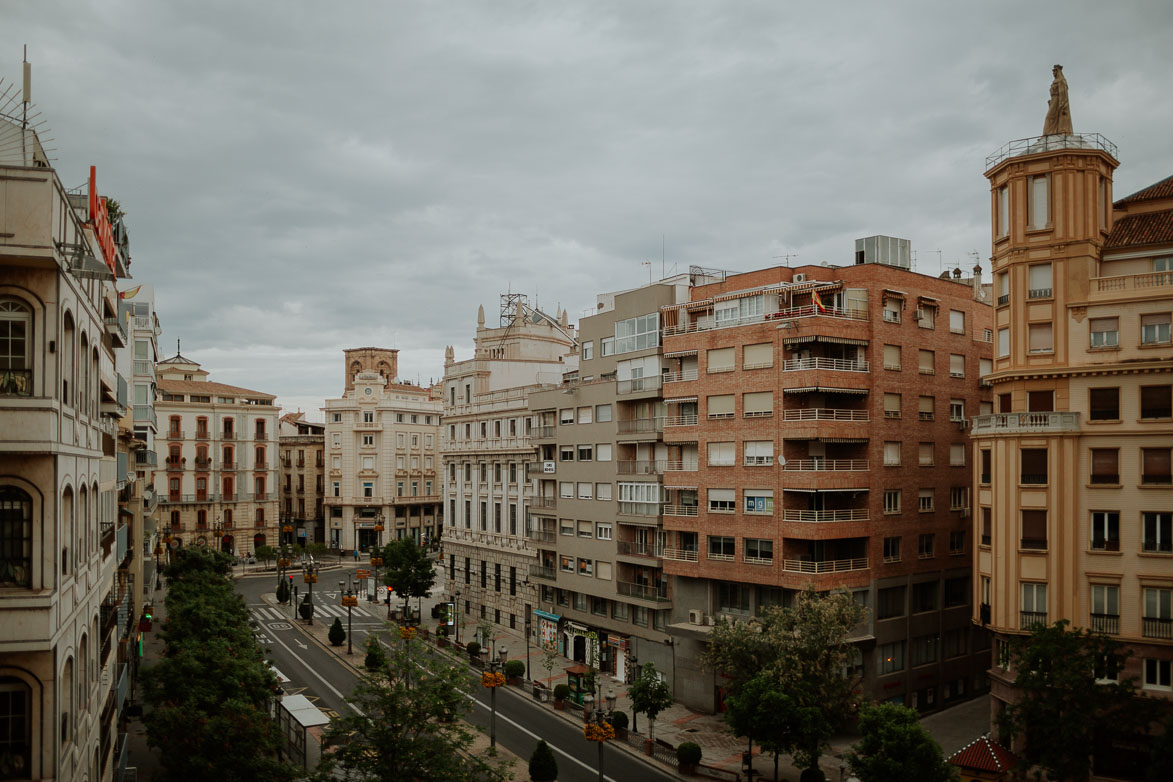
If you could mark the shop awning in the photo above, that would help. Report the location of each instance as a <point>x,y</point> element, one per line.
<point>547,615</point>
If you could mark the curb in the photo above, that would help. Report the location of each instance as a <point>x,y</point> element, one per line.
<point>271,600</point>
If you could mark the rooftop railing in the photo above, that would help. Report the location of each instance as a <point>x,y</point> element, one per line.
<point>1036,144</point>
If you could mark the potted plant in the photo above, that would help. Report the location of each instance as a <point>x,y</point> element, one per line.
<point>619,723</point>
<point>560,693</point>
<point>542,765</point>
<point>515,671</point>
<point>474,651</point>
<point>376,658</point>
<point>442,636</point>
<point>688,755</point>
<point>337,633</point>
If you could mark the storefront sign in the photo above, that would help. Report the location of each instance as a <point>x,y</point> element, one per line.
<point>100,220</point>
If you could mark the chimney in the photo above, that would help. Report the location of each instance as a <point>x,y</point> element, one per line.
<point>978,293</point>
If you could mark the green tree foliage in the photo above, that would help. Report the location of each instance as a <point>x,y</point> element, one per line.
<point>376,658</point>
<point>895,747</point>
<point>543,767</point>
<point>409,569</point>
<point>337,633</point>
<point>649,695</point>
<point>209,695</point>
<point>265,554</point>
<point>1063,710</point>
<point>283,590</point>
<point>761,710</point>
<point>802,650</point>
<point>407,726</point>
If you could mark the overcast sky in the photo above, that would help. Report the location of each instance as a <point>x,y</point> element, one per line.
<point>301,177</point>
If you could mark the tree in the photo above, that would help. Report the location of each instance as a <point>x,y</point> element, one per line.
<point>337,633</point>
<point>803,650</point>
<point>210,693</point>
<point>650,695</point>
<point>376,658</point>
<point>895,747</point>
<point>1071,696</point>
<point>410,570</point>
<point>761,710</point>
<point>407,725</point>
<point>265,554</point>
<point>543,767</point>
<point>283,590</point>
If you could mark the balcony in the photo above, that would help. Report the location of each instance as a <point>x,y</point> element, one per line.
<point>260,437</point>
<point>680,510</point>
<point>543,501</point>
<point>641,426</point>
<point>645,513</point>
<point>227,435</point>
<point>636,549</point>
<point>1025,423</point>
<point>1157,628</point>
<point>835,364</point>
<point>116,330</point>
<point>827,465</point>
<point>825,516</point>
<point>544,467</point>
<point>638,385</point>
<point>1108,624</point>
<point>175,434</point>
<point>1036,144</point>
<point>680,554</point>
<point>655,594</point>
<point>682,376</point>
<point>541,571</point>
<point>144,368</point>
<point>1112,287</point>
<point>174,465</point>
<point>641,467</point>
<point>145,458</point>
<point>16,382</point>
<point>146,414</point>
<point>681,420</point>
<point>824,566</point>
<point>825,414</point>
<point>1028,619</point>
<point>366,426</point>
<point>541,535</point>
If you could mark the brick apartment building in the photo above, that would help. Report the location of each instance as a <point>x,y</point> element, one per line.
<point>815,433</point>
<point>302,484</point>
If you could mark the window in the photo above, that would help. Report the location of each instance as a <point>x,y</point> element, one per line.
<point>602,531</point>
<point>586,453</point>
<point>16,537</point>
<point>1040,401</point>
<point>721,547</point>
<point>368,440</point>
<point>586,567</point>
<point>1034,604</point>
<point>924,596</point>
<point>1157,674</point>
<point>924,650</point>
<point>984,475</point>
<point>757,453</point>
<point>1156,401</point>
<point>1038,207</point>
<point>1039,338</point>
<point>1034,466</point>
<point>603,452</point>
<point>586,415</point>
<point>956,365</point>
<point>957,542</point>
<point>1003,213</point>
<point>1158,613</point>
<point>602,491</point>
<point>757,356</point>
<point>722,500</point>
<point>890,658</point>
<point>566,527</point>
<point>586,490</point>
<point>602,413</point>
<point>1104,332</point>
<point>926,316</point>
<point>954,642</point>
<point>720,406</point>
<point>758,404</point>
<point>985,367</point>
<point>566,490</point>
<point>1003,343</point>
<point>926,408</point>
<point>1105,530</point>
<point>759,551</point>
<point>719,360</point>
<point>637,333</point>
<point>607,346</point>
<point>722,454</point>
<point>925,454</point>
<point>1034,530</point>
<point>1104,404</point>
<point>588,351</point>
<point>926,362</point>
<point>892,308</point>
<point>956,591</point>
<point>1105,465</point>
<point>891,500</point>
<point>566,416</point>
<point>956,454</point>
<point>1105,608</point>
<point>958,498</point>
<point>892,453</point>
<point>1039,279</point>
<point>892,549</point>
<point>924,500</point>
<point>759,501</point>
<point>1002,282</point>
<point>925,545</point>
<point>892,357</point>
<point>1157,532</point>
<point>1155,466</point>
<point>891,405</point>
<point>566,564</point>
<point>1154,329</point>
<point>603,570</point>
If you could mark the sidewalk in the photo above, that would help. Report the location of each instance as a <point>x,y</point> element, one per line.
<point>144,758</point>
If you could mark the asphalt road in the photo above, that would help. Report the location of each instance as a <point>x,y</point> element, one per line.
<point>520,720</point>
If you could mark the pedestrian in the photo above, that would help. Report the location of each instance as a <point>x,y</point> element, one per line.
<point>356,555</point>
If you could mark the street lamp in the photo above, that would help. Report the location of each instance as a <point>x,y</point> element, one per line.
<point>376,560</point>
<point>349,600</point>
<point>493,679</point>
<point>456,613</point>
<point>599,729</point>
<point>310,574</point>
<point>282,566</point>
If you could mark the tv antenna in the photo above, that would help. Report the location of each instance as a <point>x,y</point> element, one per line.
<point>787,257</point>
<point>17,107</point>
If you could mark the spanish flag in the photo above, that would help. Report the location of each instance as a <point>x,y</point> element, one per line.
<point>817,302</point>
<point>130,293</point>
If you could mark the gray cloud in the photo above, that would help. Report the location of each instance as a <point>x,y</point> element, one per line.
<point>303,177</point>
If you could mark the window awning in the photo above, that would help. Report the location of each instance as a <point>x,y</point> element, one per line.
<point>821,491</point>
<point>679,399</point>
<point>844,340</point>
<point>799,340</point>
<point>747,293</point>
<point>849,440</point>
<point>680,353</point>
<point>547,615</point>
<point>680,488</point>
<point>893,292</point>
<point>824,389</point>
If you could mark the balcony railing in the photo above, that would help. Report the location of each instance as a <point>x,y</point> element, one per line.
<point>837,364</point>
<point>641,467</point>
<point>648,509</point>
<point>675,466</point>
<point>636,549</point>
<point>146,458</point>
<point>1029,619</point>
<point>368,425</point>
<point>541,535</point>
<point>1036,144</point>
<point>824,566</point>
<point>680,510</point>
<point>825,414</point>
<point>16,382</point>
<point>146,414</point>
<point>680,420</point>
<point>541,571</point>
<point>227,435</point>
<point>827,465</point>
<point>824,516</point>
<point>1109,624</point>
<point>543,501</point>
<point>640,425</point>
<point>1015,423</point>
<point>175,434</point>
<point>143,368</point>
<point>1130,282</point>
<point>681,554</point>
<point>260,436</point>
<point>1157,628</point>
<point>544,431</point>
<point>681,376</point>
<point>658,593</point>
<point>637,385</point>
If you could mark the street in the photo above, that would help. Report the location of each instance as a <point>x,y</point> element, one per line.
<point>521,721</point>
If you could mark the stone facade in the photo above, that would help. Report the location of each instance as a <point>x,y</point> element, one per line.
<point>303,481</point>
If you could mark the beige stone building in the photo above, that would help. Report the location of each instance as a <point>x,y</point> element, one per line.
<point>1074,488</point>
<point>487,451</point>
<point>382,456</point>
<point>302,486</point>
<point>218,484</point>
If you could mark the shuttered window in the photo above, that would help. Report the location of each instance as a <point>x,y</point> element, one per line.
<point>720,360</point>
<point>722,454</point>
<point>757,356</point>
<point>720,405</point>
<point>926,362</point>
<point>760,403</point>
<point>956,365</point>
<point>891,357</point>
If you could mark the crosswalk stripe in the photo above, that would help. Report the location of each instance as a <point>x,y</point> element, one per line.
<point>360,612</point>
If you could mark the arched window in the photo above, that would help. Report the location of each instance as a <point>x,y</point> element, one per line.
<point>16,331</point>
<point>67,359</point>
<point>260,517</point>
<point>16,739</point>
<point>83,389</point>
<point>68,526</point>
<point>83,524</point>
<point>65,707</point>
<point>227,457</point>
<point>93,390</point>
<point>83,682</point>
<point>228,518</point>
<point>16,537</point>
<point>260,462</point>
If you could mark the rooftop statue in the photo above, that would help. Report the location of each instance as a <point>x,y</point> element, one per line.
<point>1058,120</point>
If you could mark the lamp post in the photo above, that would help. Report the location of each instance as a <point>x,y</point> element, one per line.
<point>634,675</point>
<point>282,567</point>
<point>456,613</point>
<point>599,728</point>
<point>310,574</point>
<point>376,560</point>
<point>349,600</point>
<point>493,679</point>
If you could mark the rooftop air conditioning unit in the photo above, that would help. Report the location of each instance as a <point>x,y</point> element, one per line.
<point>696,617</point>
<point>709,620</point>
<point>800,278</point>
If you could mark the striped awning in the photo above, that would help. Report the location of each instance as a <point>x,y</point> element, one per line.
<point>819,491</point>
<point>799,340</point>
<point>825,389</point>
<point>680,353</point>
<point>680,488</point>
<point>748,292</point>
<point>681,305</point>
<point>848,440</point>
<point>844,340</point>
<point>679,399</point>
<point>893,292</point>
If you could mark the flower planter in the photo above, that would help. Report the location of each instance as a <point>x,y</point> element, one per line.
<point>560,704</point>
<point>648,748</point>
<point>442,642</point>
<point>688,768</point>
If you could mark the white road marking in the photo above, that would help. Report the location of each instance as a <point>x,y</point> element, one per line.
<point>318,676</point>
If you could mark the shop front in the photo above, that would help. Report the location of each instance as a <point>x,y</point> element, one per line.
<point>547,629</point>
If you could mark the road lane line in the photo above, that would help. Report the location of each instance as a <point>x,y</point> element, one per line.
<point>318,676</point>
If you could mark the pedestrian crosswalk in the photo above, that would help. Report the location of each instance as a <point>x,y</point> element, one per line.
<point>270,614</point>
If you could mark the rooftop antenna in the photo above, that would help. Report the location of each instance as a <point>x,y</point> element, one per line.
<point>940,262</point>
<point>787,257</point>
<point>177,350</point>
<point>649,265</point>
<point>663,255</point>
